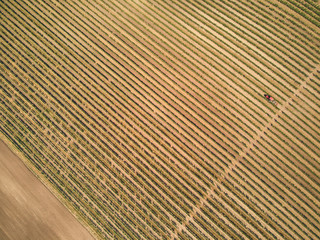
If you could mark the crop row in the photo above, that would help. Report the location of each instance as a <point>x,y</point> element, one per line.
<point>136,112</point>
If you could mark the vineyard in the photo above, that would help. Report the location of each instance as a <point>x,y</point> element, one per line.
<point>147,119</point>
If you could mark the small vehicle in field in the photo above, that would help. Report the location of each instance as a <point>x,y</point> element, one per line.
<point>271,99</point>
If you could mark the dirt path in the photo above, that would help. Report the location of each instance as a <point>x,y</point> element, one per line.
<point>211,191</point>
<point>27,209</point>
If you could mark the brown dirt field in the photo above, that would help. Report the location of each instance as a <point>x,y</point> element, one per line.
<point>28,210</point>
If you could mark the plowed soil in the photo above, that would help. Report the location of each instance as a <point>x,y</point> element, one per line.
<point>28,210</point>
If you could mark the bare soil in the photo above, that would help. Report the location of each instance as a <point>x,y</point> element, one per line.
<point>28,210</point>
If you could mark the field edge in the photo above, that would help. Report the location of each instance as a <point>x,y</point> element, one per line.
<point>51,189</point>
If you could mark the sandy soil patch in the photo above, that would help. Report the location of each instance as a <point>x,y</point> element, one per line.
<point>28,210</point>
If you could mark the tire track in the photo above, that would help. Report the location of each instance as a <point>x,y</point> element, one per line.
<point>233,165</point>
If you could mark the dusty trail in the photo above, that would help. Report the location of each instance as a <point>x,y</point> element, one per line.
<point>211,191</point>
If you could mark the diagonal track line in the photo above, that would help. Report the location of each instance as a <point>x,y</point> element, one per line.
<point>211,190</point>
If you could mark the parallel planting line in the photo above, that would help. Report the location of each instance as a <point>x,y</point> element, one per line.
<point>237,160</point>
